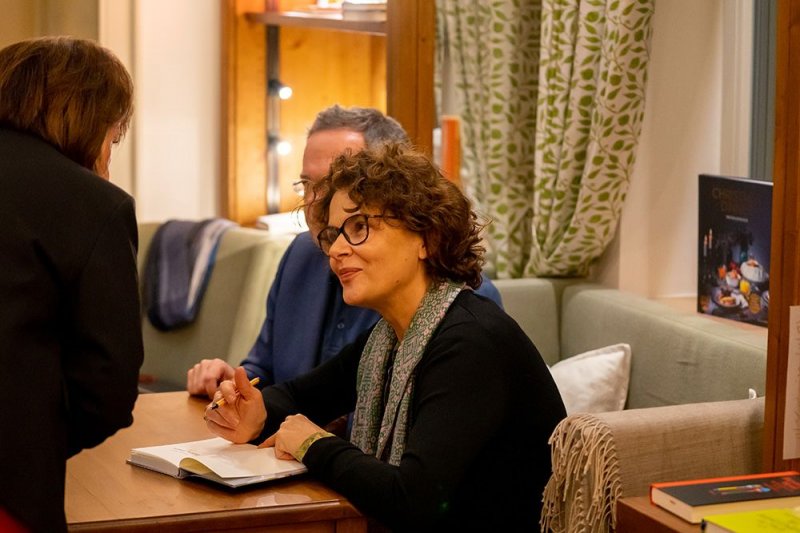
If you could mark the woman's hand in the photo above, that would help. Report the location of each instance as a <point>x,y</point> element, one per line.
<point>243,415</point>
<point>292,434</point>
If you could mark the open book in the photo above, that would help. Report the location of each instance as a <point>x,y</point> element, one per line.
<point>217,460</point>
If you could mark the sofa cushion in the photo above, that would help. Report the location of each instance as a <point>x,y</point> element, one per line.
<point>595,381</point>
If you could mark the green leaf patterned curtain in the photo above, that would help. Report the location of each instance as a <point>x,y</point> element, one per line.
<point>551,95</point>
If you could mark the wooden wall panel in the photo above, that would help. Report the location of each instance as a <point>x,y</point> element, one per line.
<point>324,68</point>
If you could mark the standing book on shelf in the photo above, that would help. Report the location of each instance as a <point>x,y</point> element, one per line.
<point>733,248</point>
<point>232,465</point>
<point>694,499</point>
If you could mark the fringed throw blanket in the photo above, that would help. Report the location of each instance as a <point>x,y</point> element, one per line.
<point>378,430</point>
<point>585,485</point>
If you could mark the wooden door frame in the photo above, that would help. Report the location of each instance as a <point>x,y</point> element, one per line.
<point>243,188</point>
<point>784,261</point>
<point>410,49</point>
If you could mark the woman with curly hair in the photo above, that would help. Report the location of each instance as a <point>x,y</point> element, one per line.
<point>453,403</point>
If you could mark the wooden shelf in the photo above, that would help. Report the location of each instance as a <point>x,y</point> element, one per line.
<point>321,21</point>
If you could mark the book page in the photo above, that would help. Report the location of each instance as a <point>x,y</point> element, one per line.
<point>217,455</point>
<point>229,460</point>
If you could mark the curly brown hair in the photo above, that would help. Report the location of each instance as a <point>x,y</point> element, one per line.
<point>402,182</point>
<point>69,92</point>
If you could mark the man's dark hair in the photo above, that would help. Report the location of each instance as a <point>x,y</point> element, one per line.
<point>376,127</point>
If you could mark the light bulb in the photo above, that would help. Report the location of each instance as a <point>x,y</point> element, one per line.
<point>285,92</point>
<point>283,147</point>
<point>277,88</point>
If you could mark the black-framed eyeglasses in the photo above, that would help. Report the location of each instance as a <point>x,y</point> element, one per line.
<point>355,229</point>
<point>299,186</point>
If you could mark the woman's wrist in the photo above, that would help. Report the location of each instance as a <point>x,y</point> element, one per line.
<point>311,439</point>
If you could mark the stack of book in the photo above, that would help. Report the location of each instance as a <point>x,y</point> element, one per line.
<point>696,500</point>
<point>364,10</point>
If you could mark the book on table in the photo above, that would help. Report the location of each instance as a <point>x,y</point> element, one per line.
<point>694,499</point>
<point>763,521</point>
<point>218,460</point>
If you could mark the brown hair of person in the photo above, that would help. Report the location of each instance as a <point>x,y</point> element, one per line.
<point>399,181</point>
<point>69,92</point>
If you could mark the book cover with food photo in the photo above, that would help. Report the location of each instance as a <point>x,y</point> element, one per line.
<point>735,215</point>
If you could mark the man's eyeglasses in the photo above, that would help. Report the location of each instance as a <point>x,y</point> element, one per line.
<point>299,187</point>
<point>355,229</point>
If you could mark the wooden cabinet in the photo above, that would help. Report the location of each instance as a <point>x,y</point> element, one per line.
<point>387,65</point>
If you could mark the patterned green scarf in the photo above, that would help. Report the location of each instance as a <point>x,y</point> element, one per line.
<point>376,427</point>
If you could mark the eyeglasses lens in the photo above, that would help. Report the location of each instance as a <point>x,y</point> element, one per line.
<point>354,228</point>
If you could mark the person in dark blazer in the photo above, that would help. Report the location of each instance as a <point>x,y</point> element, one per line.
<point>70,331</point>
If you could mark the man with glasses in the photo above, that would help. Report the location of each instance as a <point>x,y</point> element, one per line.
<point>307,321</point>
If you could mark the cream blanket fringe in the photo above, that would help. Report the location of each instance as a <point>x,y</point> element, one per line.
<point>582,492</point>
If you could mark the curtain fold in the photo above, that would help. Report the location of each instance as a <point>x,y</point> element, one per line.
<point>592,72</point>
<point>551,95</point>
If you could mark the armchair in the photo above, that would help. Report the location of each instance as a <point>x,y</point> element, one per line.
<point>599,458</point>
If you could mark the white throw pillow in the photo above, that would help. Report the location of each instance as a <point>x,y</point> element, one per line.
<point>596,381</point>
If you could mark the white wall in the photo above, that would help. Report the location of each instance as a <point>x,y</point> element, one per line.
<point>685,133</point>
<point>115,32</point>
<point>20,21</point>
<point>177,119</point>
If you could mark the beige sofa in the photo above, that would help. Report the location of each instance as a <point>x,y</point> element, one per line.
<point>687,414</point>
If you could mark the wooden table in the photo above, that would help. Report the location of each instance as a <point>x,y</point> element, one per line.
<point>104,493</point>
<point>637,514</point>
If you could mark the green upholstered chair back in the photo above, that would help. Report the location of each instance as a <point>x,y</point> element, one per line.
<point>535,304</point>
<point>231,312</point>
